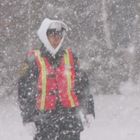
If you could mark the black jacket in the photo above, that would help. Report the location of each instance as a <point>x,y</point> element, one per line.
<point>27,87</point>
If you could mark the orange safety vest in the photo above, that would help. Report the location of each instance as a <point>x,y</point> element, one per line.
<point>60,79</point>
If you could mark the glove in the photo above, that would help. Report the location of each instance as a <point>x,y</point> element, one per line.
<point>87,119</point>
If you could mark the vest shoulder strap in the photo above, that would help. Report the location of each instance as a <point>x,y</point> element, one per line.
<point>42,82</point>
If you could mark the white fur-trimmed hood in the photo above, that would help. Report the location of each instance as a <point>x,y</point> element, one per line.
<point>43,37</point>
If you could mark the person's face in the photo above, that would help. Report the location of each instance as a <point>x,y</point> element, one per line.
<point>54,39</point>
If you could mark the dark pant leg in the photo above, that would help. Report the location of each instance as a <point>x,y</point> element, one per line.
<point>70,128</point>
<point>45,131</point>
<point>69,136</point>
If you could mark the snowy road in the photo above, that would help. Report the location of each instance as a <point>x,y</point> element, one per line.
<point>117,118</point>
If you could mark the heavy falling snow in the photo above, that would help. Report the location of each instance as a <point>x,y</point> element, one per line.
<point>104,34</point>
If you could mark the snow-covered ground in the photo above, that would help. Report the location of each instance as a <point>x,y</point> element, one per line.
<point>117,118</point>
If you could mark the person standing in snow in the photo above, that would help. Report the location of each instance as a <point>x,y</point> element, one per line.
<point>52,89</point>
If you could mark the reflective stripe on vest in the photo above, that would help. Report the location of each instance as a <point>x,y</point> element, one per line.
<point>43,79</point>
<point>68,74</point>
<point>43,98</point>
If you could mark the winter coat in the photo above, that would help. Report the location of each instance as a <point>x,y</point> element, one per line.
<point>27,89</point>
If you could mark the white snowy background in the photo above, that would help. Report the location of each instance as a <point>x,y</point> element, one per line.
<point>117,117</point>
